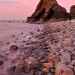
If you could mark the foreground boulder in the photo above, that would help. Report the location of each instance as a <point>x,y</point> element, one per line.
<point>62,69</point>
<point>30,63</point>
<point>1,62</point>
<point>47,67</point>
<point>53,58</point>
<point>72,12</point>
<point>13,48</point>
<point>48,10</point>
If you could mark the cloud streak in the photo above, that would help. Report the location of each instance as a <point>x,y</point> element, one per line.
<point>20,9</point>
<point>17,9</point>
<point>10,4</point>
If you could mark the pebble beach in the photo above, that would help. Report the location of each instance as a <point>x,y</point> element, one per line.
<point>37,49</point>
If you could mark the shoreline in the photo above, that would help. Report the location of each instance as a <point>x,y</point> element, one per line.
<point>37,46</point>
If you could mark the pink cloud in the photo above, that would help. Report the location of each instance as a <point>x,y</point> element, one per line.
<point>20,9</point>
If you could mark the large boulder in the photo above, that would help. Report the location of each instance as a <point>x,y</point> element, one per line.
<point>13,48</point>
<point>62,69</point>
<point>47,10</point>
<point>30,63</point>
<point>72,11</point>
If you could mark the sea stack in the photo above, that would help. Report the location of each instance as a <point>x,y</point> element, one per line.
<point>72,11</point>
<point>48,10</point>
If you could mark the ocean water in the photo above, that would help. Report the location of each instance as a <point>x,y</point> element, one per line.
<point>14,34</point>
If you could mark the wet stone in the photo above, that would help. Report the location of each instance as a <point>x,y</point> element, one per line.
<point>73,63</point>
<point>13,36</point>
<point>45,70</point>
<point>66,56</point>
<point>11,69</point>
<point>30,63</point>
<point>48,65</point>
<point>67,41</point>
<point>8,43</point>
<point>63,69</point>
<point>53,58</point>
<point>13,48</point>
<point>1,62</point>
<point>22,33</point>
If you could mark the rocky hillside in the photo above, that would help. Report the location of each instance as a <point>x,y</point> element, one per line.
<point>50,10</point>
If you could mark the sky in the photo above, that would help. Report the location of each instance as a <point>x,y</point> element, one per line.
<point>21,9</point>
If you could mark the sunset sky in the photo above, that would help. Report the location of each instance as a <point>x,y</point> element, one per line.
<point>20,9</point>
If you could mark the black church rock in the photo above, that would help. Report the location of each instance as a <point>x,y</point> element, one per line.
<point>49,10</point>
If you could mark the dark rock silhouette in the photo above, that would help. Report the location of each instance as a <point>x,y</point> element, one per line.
<point>48,10</point>
<point>72,11</point>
